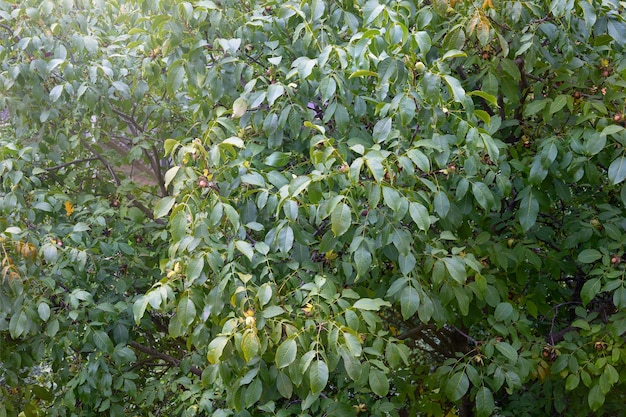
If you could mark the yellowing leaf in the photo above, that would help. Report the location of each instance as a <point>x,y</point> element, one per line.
<point>69,208</point>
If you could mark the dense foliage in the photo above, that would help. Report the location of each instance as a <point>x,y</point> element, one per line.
<point>340,207</point>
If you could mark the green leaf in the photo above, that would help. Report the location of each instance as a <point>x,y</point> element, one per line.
<point>453,53</point>
<point>102,341</point>
<point>419,215</point>
<point>56,92</point>
<point>318,375</point>
<point>194,268</point>
<point>298,185</point>
<point>456,269</point>
<point>617,170</point>
<point>588,256</point>
<point>491,99</point>
<point>245,248</point>
<point>363,73</point>
<point>18,324</point>
<point>253,392</point>
<point>572,381</point>
<point>273,311</point>
<point>139,308</point>
<point>559,102</point>
<point>457,386</point>
<point>250,344</point>
<point>362,260</point>
<point>327,88</point>
<point>534,107</point>
<point>409,302</point>
<point>483,195</point>
<point>278,160</point>
<point>442,204</point>
<point>370,304</point>
<point>595,398</point>
<point>420,160</point>
<point>507,350</point>
<point>590,289</point>
<point>379,382</point>
<point>91,44</point>
<point>234,141</point>
<point>504,311</point>
<point>455,86</point>
<point>186,310</point>
<point>352,364</point>
<point>382,129</point>
<point>484,402</point>
<point>284,385</point>
<point>528,211</point>
<point>175,76</point>
<point>371,10</point>
<point>341,219</point>
<point>43,310</point>
<point>240,106</point>
<point>353,344</point>
<point>374,164</point>
<point>216,347</point>
<point>286,353</point>
<point>164,206</point>
<point>274,91</point>
<point>619,298</point>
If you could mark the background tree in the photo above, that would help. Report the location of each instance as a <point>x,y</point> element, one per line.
<point>310,208</point>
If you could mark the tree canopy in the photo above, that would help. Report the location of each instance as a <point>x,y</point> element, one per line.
<point>348,207</point>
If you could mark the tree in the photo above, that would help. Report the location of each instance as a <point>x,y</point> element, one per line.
<point>310,208</point>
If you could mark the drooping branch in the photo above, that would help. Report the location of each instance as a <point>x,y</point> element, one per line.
<point>160,355</point>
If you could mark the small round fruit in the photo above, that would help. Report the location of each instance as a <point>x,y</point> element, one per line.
<point>618,117</point>
<point>577,95</point>
<point>420,67</point>
<point>203,182</point>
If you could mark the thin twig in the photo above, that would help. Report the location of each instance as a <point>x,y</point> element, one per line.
<point>78,161</point>
<point>468,337</point>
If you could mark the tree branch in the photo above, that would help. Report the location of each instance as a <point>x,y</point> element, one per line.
<point>160,355</point>
<point>78,161</point>
<point>11,31</point>
<point>104,161</point>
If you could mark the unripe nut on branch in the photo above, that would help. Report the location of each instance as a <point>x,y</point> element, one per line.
<point>203,182</point>
<point>420,67</point>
